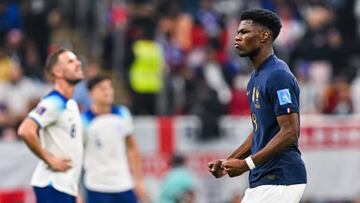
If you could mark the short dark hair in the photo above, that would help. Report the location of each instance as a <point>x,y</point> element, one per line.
<point>265,18</point>
<point>53,58</point>
<point>96,80</point>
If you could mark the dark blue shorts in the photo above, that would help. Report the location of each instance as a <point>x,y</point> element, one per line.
<point>49,194</point>
<point>101,197</point>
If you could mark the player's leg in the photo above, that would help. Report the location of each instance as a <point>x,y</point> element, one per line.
<point>126,197</point>
<point>293,193</point>
<point>50,195</point>
<point>98,197</point>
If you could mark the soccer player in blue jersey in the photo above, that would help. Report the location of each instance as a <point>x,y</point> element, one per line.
<point>270,152</point>
<point>53,132</point>
<point>112,164</point>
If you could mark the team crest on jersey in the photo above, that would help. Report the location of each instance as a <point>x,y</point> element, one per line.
<point>73,130</point>
<point>284,96</point>
<point>255,97</point>
<point>40,110</point>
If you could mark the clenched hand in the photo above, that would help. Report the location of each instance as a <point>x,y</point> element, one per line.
<point>235,167</point>
<point>216,169</point>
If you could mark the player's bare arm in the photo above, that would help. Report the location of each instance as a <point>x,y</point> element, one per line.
<point>28,131</point>
<point>244,150</point>
<point>288,134</point>
<point>135,166</point>
<point>234,164</point>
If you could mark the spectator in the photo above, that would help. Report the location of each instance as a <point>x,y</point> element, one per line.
<point>178,185</point>
<point>13,15</point>
<point>337,98</point>
<point>210,96</point>
<point>5,64</point>
<point>36,24</point>
<point>214,77</point>
<point>146,74</point>
<point>18,94</point>
<point>9,17</point>
<point>292,30</point>
<point>14,44</point>
<point>209,18</point>
<point>239,104</point>
<point>322,40</point>
<point>32,64</point>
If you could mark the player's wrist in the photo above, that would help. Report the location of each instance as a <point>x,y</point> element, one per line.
<point>47,158</point>
<point>250,162</point>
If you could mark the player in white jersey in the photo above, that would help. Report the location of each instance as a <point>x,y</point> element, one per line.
<point>111,165</point>
<point>53,132</point>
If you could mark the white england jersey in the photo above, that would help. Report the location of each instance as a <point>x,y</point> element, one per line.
<point>106,163</point>
<point>61,135</point>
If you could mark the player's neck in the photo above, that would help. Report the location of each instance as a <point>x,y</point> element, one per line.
<point>64,88</point>
<point>101,109</point>
<point>262,55</point>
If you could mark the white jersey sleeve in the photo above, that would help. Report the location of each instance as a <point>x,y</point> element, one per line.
<point>48,111</point>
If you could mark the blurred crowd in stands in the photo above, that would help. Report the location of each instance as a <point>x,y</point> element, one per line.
<point>177,57</point>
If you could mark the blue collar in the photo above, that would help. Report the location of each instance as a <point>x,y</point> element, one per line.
<point>91,115</point>
<point>57,93</point>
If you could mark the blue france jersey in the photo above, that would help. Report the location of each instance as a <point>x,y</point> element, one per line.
<point>273,91</point>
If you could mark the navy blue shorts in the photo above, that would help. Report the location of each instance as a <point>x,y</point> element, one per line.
<point>101,197</point>
<point>49,194</point>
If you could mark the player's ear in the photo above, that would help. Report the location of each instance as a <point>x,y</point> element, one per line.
<point>265,35</point>
<point>56,71</point>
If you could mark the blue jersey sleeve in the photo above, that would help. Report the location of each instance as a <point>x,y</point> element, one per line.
<point>283,92</point>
